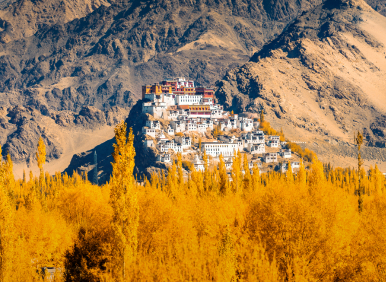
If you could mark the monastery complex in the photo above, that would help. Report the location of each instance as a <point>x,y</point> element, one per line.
<point>188,110</point>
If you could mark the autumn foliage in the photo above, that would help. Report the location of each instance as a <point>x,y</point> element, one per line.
<point>200,226</point>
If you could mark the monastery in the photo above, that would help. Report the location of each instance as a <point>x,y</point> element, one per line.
<point>194,109</point>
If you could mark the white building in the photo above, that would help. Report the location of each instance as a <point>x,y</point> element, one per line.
<point>165,146</point>
<point>156,109</point>
<point>273,143</point>
<point>185,142</point>
<point>216,149</point>
<point>198,164</point>
<point>294,165</point>
<point>246,124</point>
<point>188,99</point>
<point>173,115</point>
<point>274,138</point>
<point>286,153</point>
<point>148,131</point>
<point>166,98</point>
<point>191,127</point>
<point>253,138</point>
<point>149,143</point>
<point>170,131</point>
<point>153,124</point>
<point>256,148</point>
<point>165,158</point>
<point>178,126</point>
<point>201,127</point>
<point>270,157</point>
<point>228,163</point>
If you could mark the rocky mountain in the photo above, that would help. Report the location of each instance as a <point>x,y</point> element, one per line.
<point>24,18</point>
<point>322,79</point>
<point>102,59</point>
<point>57,57</point>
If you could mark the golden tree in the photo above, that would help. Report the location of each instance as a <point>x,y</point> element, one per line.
<point>301,176</point>
<point>7,228</point>
<point>359,141</point>
<point>247,181</point>
<point>207,176</point>
<point>261,116</point>
<point>123,200</point>
<point>223,176</point>
<point>41,158</point>
<point>255,177</point>
<point>227,265</point>
<point>180,171</point>
<point>289,174</point>
<point>236,172</point>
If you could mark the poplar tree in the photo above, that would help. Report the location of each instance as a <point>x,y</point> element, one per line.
<point>223,176</point>
<point>255,177</point>
<point>247,181</point>
<point>207,178</point>
<point>359,141</point>
<point>41,156</point>
<point>123,200</point>
<point>301,178</point>
<point>227,265</point>
<point>236,172</point>
<point>289,174</point>
<point>7,228</point>
<point>180,172</point>
<point>261,116</point>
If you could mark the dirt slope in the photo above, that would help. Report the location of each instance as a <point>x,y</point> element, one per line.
<point>323,78</point>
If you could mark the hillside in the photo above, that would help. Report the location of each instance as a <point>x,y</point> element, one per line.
<point>102,59</point>
<point>323,78</point>
<point>81,55</point>
<point>20,19</point>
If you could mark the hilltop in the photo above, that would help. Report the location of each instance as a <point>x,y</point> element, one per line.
<point>321,79</point>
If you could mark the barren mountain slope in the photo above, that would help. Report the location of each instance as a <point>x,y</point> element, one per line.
<point>24,17</point>
<point>323,78</point>
<point>102,59</point>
